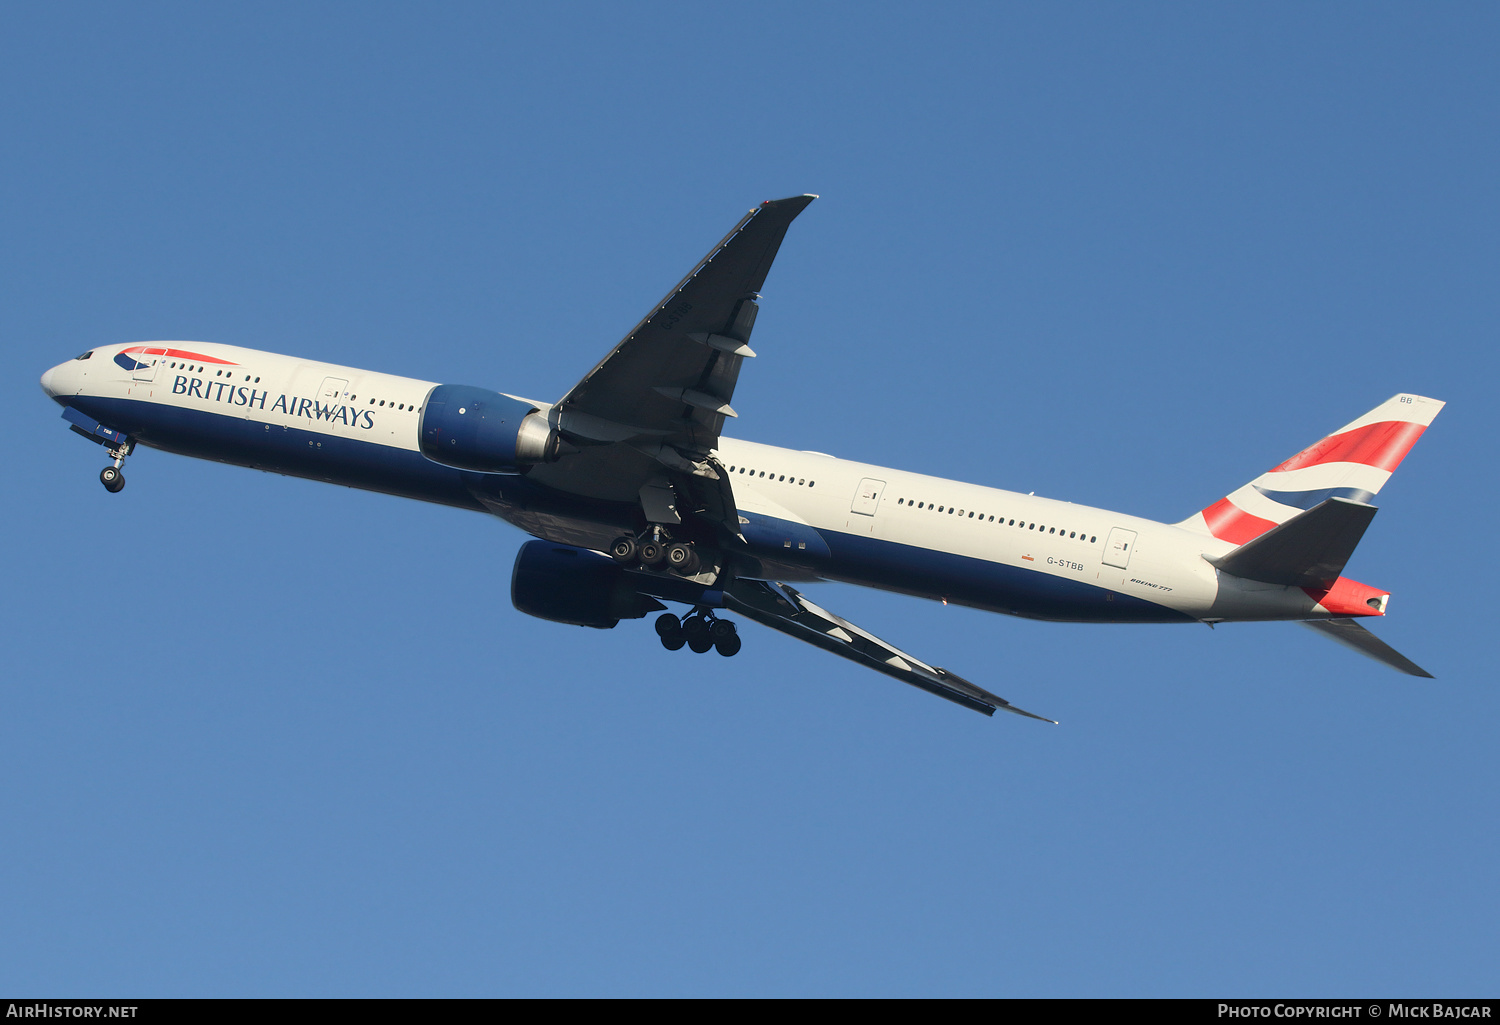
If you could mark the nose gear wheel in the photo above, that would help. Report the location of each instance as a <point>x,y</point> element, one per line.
<point>111,477</point>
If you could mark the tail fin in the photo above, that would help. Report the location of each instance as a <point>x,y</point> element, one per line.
<point>1353,463</point>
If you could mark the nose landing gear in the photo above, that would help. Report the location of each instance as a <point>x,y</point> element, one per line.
<point>111,477</point>
<point>700,630</point>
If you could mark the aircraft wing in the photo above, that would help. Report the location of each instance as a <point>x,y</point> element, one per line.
<point>672,376</point>
<point>783,608</point>
<point>654,407</point>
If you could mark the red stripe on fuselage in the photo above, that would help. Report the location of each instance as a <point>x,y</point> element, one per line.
<point>157,350</point>
<point>1381,445</point>
<point>1228,522</point>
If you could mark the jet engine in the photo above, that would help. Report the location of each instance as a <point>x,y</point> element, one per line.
<point>576,586</point>
<point>477,429</point>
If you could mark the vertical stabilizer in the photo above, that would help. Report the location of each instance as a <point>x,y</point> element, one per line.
<point>1352,463</point>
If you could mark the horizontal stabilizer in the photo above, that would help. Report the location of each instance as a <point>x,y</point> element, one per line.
<point>783,608</point>
<point>1308,550</point>
<point>1351,634</point>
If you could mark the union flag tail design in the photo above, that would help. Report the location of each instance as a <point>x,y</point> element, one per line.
<point>1354,462</point>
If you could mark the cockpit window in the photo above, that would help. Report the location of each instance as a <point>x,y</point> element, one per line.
<point>85,355</point>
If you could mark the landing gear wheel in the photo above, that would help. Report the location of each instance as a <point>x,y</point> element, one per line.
<point>698,632</point>
<point>725,637</point>
<point>669,629</point>
<point>112,479</point>
<point>682,559</point>
<point>651,554</point>
<point>623,550</point>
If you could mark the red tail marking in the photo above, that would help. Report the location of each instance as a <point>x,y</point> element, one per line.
<point>1228,522</point>
<point>1381,445</point>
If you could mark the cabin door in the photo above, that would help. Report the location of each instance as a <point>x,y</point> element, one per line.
<point>867,498</point>
<point>1117,547</point>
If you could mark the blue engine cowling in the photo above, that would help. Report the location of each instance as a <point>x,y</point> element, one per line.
<point>478,429</point>
<point>576,586</point>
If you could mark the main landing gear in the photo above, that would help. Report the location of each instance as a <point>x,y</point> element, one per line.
<point>111,477</point>
<point>699,630</point>
<point>655,550</point>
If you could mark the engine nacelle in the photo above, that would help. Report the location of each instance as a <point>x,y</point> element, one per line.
<point>477,429</point>
<point>576,586</point>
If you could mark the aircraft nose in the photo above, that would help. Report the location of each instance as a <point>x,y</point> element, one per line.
<point>49,383</point>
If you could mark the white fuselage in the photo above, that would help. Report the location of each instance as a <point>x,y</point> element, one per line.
<point>882,527</point>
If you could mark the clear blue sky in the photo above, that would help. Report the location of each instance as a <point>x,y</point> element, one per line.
<point>268,737</point>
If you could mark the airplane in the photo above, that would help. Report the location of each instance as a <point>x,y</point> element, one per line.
<point>635,498</point>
